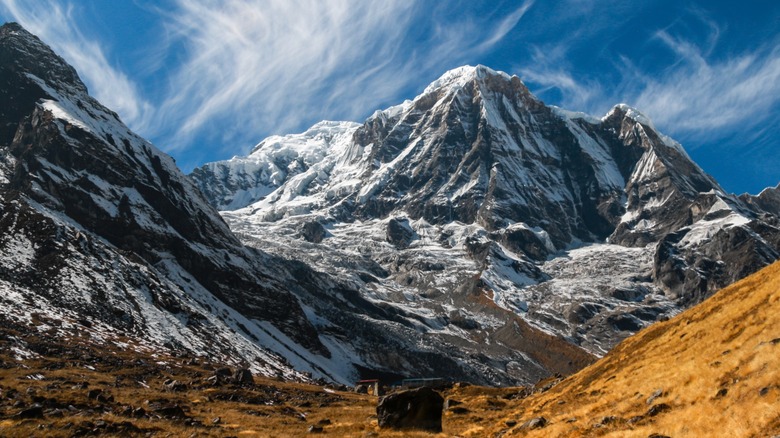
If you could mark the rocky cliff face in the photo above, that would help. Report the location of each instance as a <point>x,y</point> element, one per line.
<point>79,185</point>
<point>589,228</point>
<point>102,232</point>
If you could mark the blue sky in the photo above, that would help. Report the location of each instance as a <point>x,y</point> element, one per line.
<point>205,80</point>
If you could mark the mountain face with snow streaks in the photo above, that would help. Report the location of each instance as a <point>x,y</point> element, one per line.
<point>477,189</point>
<point>102,232</point>
<point>472,233</point>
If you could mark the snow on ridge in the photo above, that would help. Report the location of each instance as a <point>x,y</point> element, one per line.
<point>460,76</point>
<point>575,115</point>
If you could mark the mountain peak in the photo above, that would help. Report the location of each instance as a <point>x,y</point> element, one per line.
<point>28,55</point>
<point>11,26</point>
<point>625,110</point>
<point>460,76</point>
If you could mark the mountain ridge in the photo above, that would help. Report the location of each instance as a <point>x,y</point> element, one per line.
<point>106,230</point>
<point>477,168</point>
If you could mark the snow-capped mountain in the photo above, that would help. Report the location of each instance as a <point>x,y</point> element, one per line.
<point>101,233</point>
<point>477,194</point>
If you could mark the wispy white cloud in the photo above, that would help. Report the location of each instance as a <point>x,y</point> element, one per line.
<point>248,68</point>
<point>269,65</point>
<point>548,71</point>
<point>699,94</point>
<point>694,93</point>
<point>56,25</point>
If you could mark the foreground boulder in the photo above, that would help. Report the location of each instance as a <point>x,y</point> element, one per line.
<point>414,409</point>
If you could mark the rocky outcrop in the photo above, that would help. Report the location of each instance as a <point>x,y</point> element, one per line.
<point>79,186</point>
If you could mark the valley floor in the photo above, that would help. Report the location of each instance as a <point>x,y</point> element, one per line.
<point>710,371</point>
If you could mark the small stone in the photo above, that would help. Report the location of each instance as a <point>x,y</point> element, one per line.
<point>608,420</point>
<point>216,420</point>
<point>763,391</point>
<point>658,409</point>
<point>655,395</point>
<point>721,393</point>
<point>174,411</point>
<point>535,423</point>
<point>175,385</point>
<point>315,429</point>
<point>324,422</point>
<point>510,423</point>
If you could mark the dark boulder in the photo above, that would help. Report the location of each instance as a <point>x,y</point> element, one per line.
<point>419,408</point>
<point>35,411</point>
<point>242,376</point>
<point>400,233</point>
<point>313,232</point>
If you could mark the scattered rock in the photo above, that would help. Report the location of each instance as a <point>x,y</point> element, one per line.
<point>545,385</point>
<point>242,376</point>
<point>419,408</point>
<point>175,385</point>
<point>721,393</point>
<point>658,393</point>
<point>34,411</point>
<point>399,232</point>
<point>56,413</point>
<point>324,422</point>
<point>173,411</point>
<point>216,420</point>
<point>763,391</point>
<point>658,409</point>
<point>534,423</point>
<point>608,420</point>
<point>223,372</point>
<point>313,232</point>
<point>100,396</point>
<point>510,423</point>
<point>315,429</point>
<point>459,410</point>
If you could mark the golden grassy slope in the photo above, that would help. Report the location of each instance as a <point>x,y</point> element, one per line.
<point>717,367</point>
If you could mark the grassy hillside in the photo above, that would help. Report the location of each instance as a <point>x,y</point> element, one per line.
<point>713,370</point>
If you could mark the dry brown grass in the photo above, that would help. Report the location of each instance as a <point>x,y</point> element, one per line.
<point>716,366</point>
